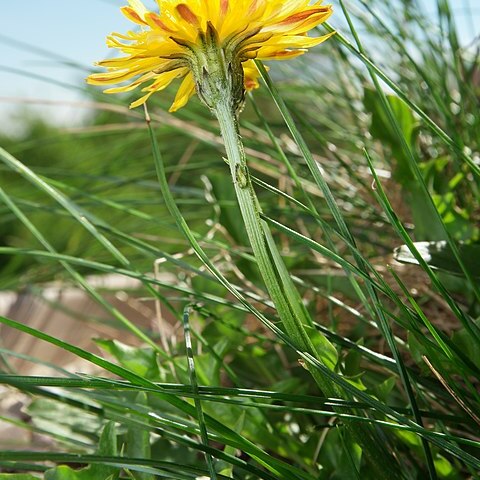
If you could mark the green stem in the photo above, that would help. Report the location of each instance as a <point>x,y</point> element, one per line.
<point>284,296</point>
<point>295,318</point>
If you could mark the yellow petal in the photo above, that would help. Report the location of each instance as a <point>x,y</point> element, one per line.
<point>141,100</point>
<point>139,7</point>
<point>250,75</point>
<point>161,82</point>
<point>133,16</point>
<point>263,29</point>
<point>186,90</point>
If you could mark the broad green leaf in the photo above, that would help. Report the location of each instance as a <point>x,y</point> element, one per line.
<point>458,222</point>
<point>208,369</point>
<point>341,455</point>
<point>352,363</point>
<point>444,467</point>
<point>351,368</point>
<point>468,345</point>
<point>409,438</point>
<point>326,350</point>
<point>356,381</point>
<point>142,361</point>
<point>226,469</point>
<point>350,460</point>
<point>427,221</point>
<point>63,472</point>
<point>381,127</point>
<point>383,390</point>
<point>64,420</point>
<point>205,285</point>
<point>428,225</point>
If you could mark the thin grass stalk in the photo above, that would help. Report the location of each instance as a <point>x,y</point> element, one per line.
<point>310,203</point>
<point>363,265</point>
<point>194,383</point>
<point>184,228</point>
<point>448,140</point>
<point>79,279</point>
<point>466,321</point>
<point>415,170</point>
<point>215,394</point>
<point>277,467</point>
<point>83,218</point>
<point>441,440</point>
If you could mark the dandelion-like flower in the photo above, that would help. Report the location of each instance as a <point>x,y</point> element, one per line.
<point>211,44</point>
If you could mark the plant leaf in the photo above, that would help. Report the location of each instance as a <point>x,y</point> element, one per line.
<point>142,361</point>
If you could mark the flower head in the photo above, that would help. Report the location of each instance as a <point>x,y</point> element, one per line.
<point>204,40</point>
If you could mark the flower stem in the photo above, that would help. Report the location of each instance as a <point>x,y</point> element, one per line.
<point>295,318</point>
<point>286,298</point>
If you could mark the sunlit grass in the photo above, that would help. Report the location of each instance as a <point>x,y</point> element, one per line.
<point>365,153</point>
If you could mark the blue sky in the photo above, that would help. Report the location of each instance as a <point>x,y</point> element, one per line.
<point>76,30</point>
<point>73,29</point>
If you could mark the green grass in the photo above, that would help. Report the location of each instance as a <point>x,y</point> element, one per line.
<point>363,157</point>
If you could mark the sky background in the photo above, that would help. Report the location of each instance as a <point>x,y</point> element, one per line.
<point>72,29</point>
<point>76,30</point>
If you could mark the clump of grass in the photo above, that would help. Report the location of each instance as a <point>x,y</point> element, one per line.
<point>372,161</point>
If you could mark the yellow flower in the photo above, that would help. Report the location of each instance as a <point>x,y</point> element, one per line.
<point>193,39</point>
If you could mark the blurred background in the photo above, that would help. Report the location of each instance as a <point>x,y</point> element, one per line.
<point>47,49</point>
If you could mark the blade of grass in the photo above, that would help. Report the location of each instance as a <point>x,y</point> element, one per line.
<point>388,81</point>
<point>277,467</point>
<point>76,276</point>
<point>193,381</point>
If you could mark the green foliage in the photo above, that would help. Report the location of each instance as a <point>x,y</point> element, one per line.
<point>142,361</point>
<point>382,130</point>
<point>138,441</point>
<point>107,446</point>
<point>347,176</point>
<point>17,476</point>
